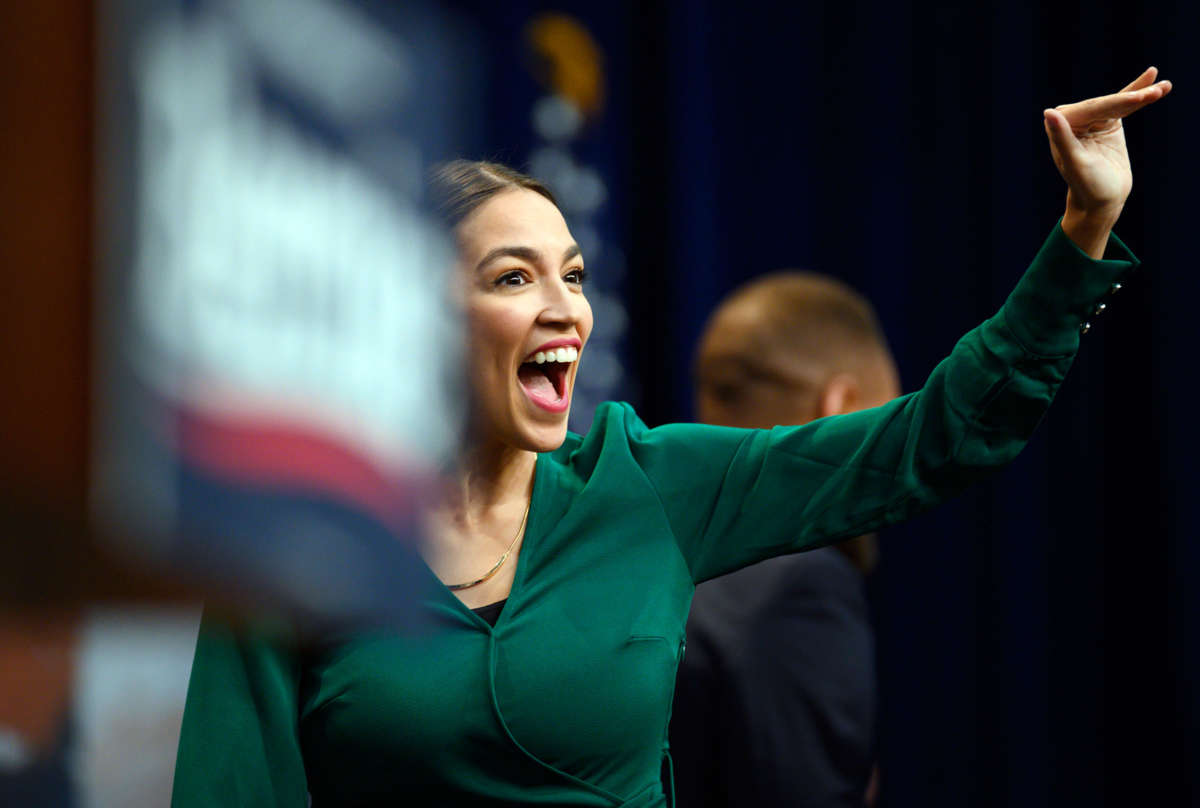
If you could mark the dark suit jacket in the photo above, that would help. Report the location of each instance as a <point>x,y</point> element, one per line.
<point>775,699</point>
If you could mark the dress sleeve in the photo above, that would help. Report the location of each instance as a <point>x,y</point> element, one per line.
<point>734,497</point>
<point>239,744</point>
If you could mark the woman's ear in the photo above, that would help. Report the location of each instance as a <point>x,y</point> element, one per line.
<point>841,394</point>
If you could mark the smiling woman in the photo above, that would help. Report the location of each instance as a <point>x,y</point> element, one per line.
<point>561,566</point>
<point>521,275</point>
<point>523,279</point>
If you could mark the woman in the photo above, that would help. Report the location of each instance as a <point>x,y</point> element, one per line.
<point>562,566</point>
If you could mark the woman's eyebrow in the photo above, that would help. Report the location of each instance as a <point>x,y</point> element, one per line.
<point>524,253</point>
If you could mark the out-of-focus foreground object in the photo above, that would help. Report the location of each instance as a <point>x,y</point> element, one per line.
<point>231,372</point>
<point>276,359</point>
<point>224,313</point>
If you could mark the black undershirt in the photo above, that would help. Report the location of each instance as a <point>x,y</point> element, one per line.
<point>491,612</point>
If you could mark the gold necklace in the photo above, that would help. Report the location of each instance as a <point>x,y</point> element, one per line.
<point>503,558</point>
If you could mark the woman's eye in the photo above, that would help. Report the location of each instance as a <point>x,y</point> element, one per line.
<point>576,276</point>
<point>513,278</point>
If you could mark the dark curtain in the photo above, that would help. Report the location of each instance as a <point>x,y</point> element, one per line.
<point>1036,637</point>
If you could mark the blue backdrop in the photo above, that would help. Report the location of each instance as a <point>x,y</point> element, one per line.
<point>1038,636</point>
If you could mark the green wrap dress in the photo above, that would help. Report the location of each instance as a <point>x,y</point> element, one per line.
<point>565,701</point>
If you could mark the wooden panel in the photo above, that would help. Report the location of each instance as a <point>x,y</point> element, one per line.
<point>47,94</point>
<point>46,81</point>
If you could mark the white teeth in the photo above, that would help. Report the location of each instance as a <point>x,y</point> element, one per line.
<point>566,354</point>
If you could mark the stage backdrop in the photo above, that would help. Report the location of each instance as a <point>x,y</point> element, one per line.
<point>1038,636</point>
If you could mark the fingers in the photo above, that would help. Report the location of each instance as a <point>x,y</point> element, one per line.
<point>1058,129</point>
<point>1144,80</point>
<point>1115,105</point>
<point>1108,107</point>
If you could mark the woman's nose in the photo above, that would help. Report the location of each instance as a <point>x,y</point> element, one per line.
<point>560,305</point>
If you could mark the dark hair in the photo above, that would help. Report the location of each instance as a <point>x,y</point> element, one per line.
<point>460,186</point>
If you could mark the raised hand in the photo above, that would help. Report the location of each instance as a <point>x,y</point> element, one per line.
<point>1087,141</point>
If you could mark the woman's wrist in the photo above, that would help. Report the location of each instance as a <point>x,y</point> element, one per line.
<point>1089,227</point>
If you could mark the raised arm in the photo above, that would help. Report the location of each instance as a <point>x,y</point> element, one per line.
<point>735,497</point>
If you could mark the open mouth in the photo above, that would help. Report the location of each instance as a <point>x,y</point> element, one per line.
<point>543,377</point>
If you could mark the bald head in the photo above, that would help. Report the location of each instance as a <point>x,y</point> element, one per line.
<point>790,347</point>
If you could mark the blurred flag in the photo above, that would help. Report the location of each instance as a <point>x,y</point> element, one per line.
<point>279,370</point>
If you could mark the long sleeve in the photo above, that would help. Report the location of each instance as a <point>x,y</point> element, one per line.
<point>734,497</point>
<point>239,745</point>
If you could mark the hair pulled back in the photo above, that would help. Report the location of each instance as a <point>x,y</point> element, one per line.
<point>459,187</point>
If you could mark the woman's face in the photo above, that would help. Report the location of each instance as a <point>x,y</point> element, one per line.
<point>523,280</point>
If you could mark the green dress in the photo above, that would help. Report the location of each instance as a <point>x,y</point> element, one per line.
<point>566,700</point>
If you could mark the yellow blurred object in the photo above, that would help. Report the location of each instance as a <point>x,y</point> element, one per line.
<point>574,63</point>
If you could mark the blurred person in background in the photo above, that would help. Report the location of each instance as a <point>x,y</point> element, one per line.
<point>560,567</point>
<point>775,697</point>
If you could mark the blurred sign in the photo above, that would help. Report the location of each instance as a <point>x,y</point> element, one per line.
<point>279,380</point>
